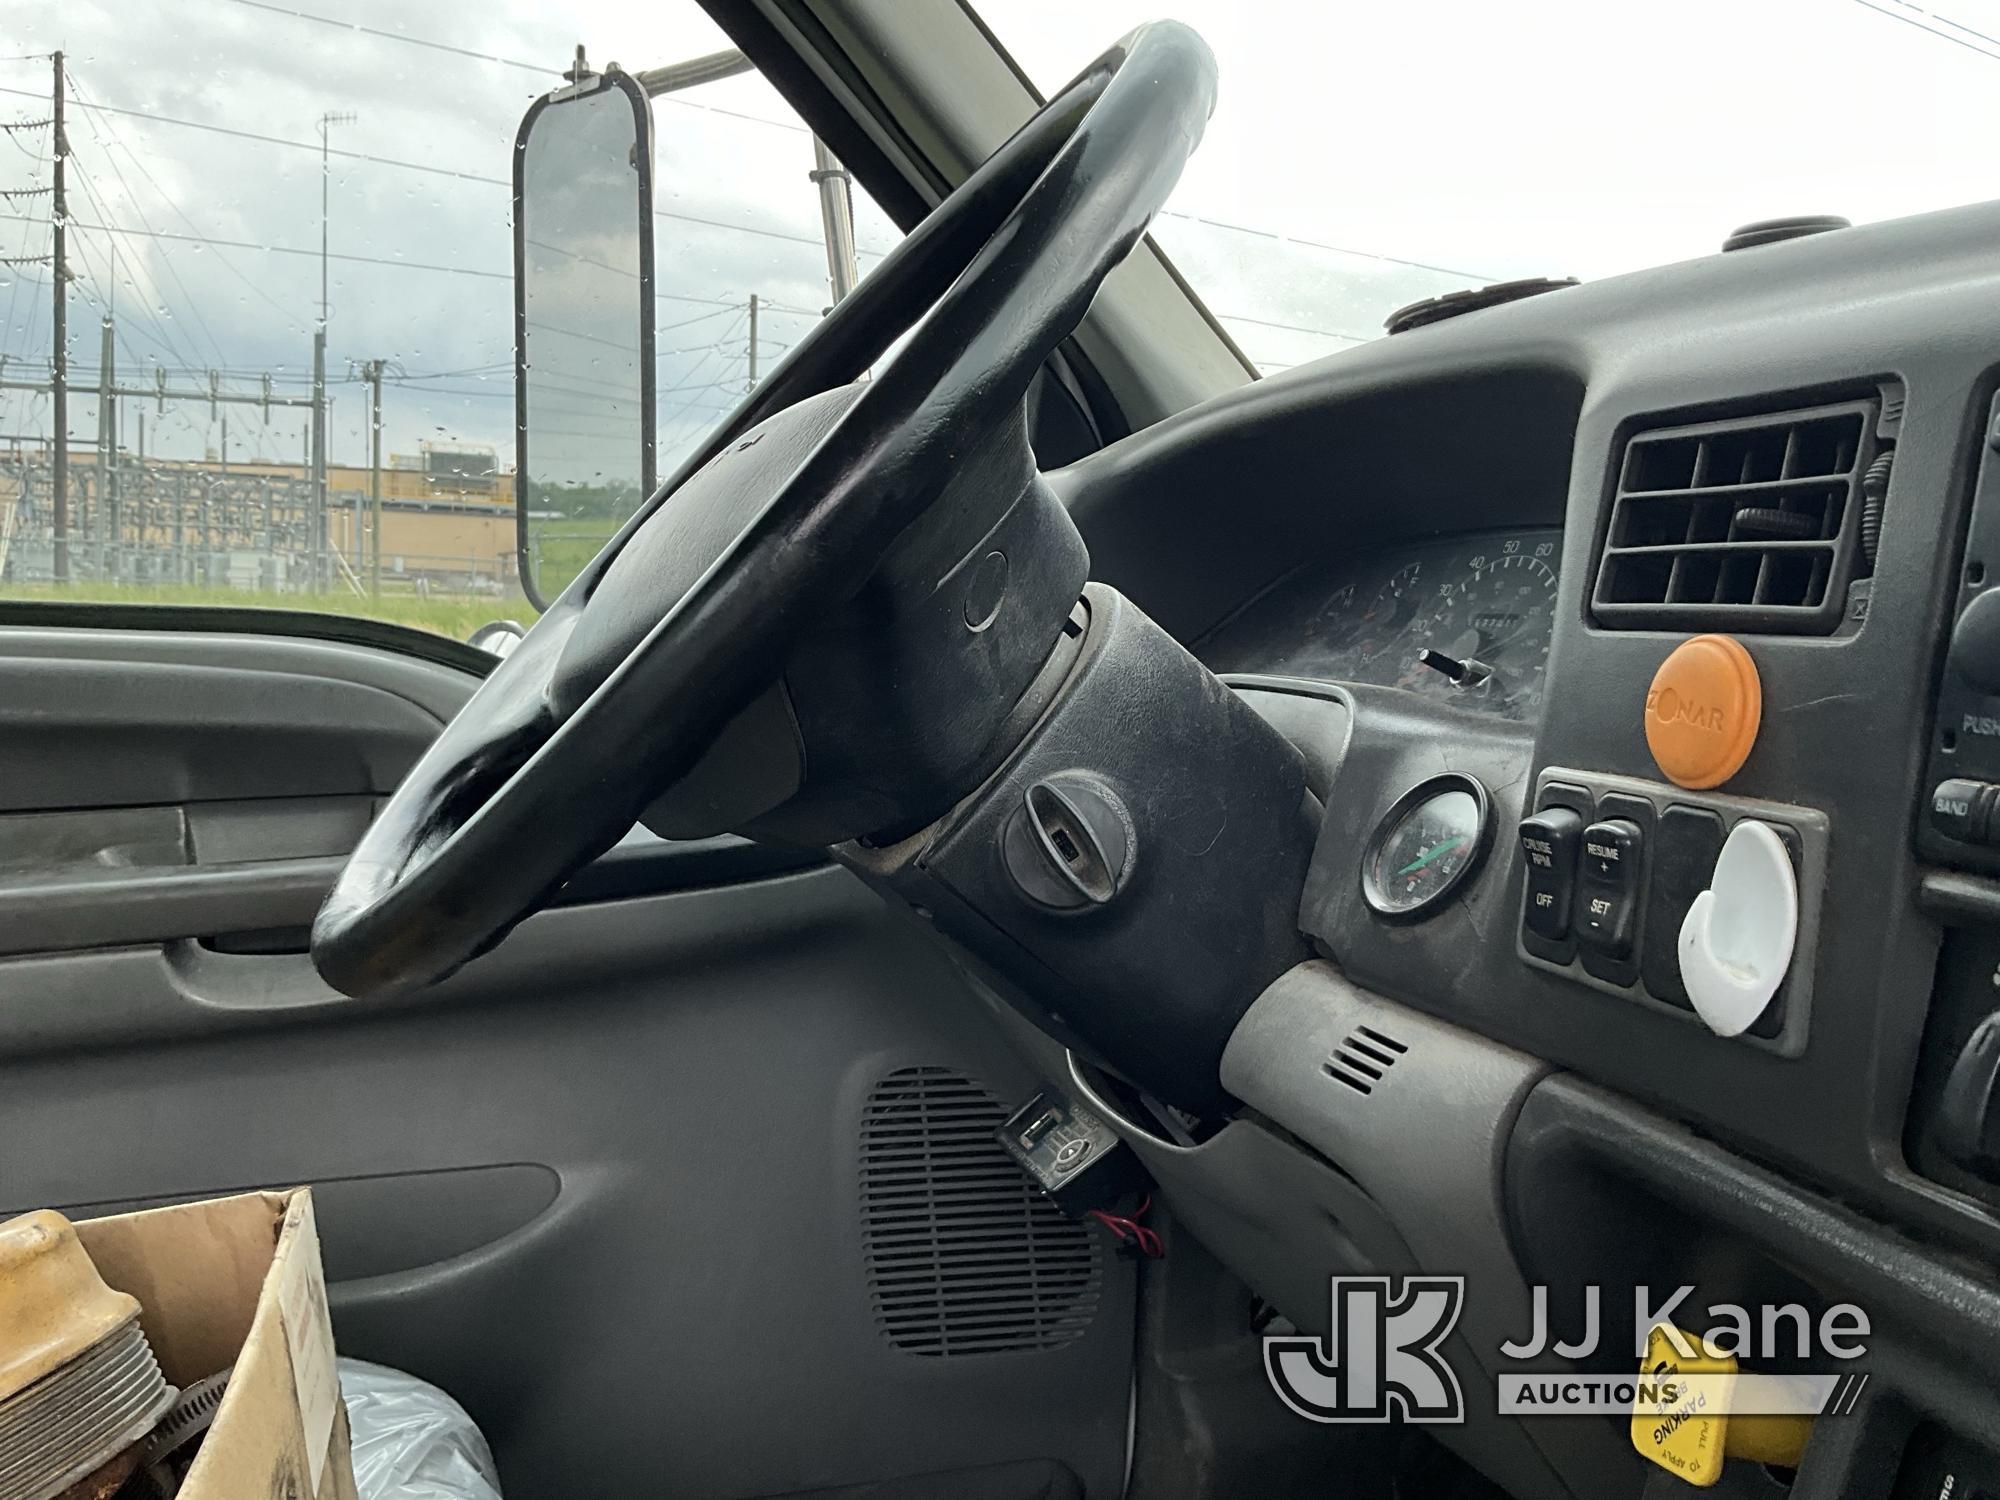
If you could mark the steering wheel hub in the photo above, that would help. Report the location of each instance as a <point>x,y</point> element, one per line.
<point>682,538</point>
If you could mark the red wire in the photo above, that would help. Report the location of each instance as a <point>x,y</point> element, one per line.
<point>1128,1230</point>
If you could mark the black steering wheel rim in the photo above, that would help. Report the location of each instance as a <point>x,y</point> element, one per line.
<point>551,761</point>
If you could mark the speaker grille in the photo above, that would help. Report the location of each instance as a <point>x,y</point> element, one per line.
<point>965,1255</point>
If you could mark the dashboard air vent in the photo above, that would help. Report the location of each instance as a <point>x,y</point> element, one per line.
<point>964,1254</point>
<point>1750,524</point>
<point>1364,1059</point>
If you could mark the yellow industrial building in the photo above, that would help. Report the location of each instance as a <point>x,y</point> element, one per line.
<point>446,513</point>
<point>447,520</point>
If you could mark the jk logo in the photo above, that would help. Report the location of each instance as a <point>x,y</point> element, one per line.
<point>1381,1355</point>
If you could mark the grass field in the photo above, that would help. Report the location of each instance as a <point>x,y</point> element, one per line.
<point>457,618</point>
<point>561,551</point>
<point>561,548</point>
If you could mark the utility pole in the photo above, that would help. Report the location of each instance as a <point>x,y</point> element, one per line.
<point>753,344</point>
<point>836,212</point>
<point>331,118</point>
<point>104,515</point>
<point>59,360</point>
<point>320,570</point>
<point>316,461</point>
<point>372,373</point>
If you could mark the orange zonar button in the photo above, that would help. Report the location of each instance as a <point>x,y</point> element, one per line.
<point>1703,709</point>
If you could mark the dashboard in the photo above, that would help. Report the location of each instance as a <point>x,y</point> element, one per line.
<point>1410,616</point>
<point>1795,448</point>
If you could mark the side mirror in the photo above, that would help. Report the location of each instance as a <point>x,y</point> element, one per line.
<point>498,637</point>
<point>583,323</point>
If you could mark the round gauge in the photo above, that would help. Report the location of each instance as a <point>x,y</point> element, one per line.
<point>1334,622</point>
<point>1395,604</point>
<point>1428,843</point>
<point>1497,615</point>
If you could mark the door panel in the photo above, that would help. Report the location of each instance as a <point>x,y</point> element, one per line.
<point>604,1184</point>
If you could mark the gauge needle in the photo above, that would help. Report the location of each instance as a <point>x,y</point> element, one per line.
<point>1434,852</point>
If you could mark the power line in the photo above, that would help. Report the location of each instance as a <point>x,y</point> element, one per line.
<point>1293,239</point>
<point>1910,20</point>
<point>193,306</point>
<point>697,318</point>
<point>117,140</point>
<point>721,304</point>
<point>396,162</point>
<point>72,377</point>
<point>728,333</point>
<point>1960,26</point>
<point>279,140</point>
<point>775,234</point>
<point>15,290</point>
<point>505,62</point>
<point>497,367</point>
<point>397,36</point>
<point>197,239</point>
<point>160,336</point>
<point>1330,333</point>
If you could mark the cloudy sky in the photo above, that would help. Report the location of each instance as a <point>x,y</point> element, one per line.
<point>1362,156</point>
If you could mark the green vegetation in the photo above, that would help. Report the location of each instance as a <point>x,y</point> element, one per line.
<point>456,617</point>
<point>559,549</point>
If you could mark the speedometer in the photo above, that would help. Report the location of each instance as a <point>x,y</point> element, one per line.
<point>1494,617</point>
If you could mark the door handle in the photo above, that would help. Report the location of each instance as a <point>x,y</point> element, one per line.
<point>65,910</point>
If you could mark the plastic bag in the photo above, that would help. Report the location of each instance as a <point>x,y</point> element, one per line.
<point>411,1440</point>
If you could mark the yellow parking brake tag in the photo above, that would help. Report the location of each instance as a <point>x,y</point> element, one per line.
<point>1682,1429</point>
<point>1683,1416</point>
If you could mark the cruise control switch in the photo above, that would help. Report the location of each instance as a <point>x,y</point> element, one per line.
<point>1606,909</point>
<point>1549,842</point>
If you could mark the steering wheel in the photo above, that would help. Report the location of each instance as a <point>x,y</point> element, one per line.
<point>689,612</point>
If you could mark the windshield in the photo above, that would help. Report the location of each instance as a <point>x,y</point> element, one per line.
<point>286,325</point>
<point>1362,157</point>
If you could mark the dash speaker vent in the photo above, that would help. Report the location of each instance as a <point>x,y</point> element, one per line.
<point>1752,524</point>
<point>1364,1059</point>
<point>965,1256</point>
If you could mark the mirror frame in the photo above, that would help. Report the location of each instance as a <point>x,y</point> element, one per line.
<point>613,77</point>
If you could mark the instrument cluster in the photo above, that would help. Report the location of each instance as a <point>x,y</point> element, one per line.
<point>1466,618</point>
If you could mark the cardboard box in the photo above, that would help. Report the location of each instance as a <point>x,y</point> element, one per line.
<point>237,1281</point>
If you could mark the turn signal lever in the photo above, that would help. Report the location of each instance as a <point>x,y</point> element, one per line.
<point>1968,1119</point>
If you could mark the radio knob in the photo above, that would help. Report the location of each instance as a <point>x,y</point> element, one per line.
<point>1962,810</point>
<point>1975,643</point>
